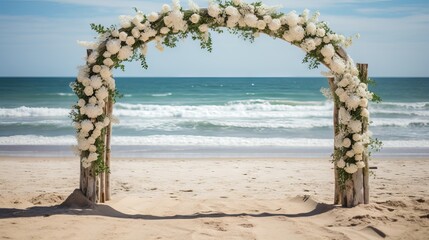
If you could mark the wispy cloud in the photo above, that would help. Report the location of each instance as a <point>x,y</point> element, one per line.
<point>398,10</point>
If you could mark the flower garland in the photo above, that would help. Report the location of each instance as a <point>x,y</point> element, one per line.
<point>95,83</point>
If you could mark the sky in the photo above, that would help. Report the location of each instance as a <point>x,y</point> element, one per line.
<point>39,38</point>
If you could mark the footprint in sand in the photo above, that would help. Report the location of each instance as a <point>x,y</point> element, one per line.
<point>219,226</point>
<point>246,225</point>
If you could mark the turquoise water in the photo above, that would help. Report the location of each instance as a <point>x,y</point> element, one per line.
<point>212,112</point>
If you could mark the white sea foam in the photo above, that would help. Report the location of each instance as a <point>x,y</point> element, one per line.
<point>33,112</point>
<point>161,94</point>
<point>66,94</point>
<point>186,140</point>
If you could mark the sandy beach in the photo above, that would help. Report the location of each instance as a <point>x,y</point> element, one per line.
<point>212,199</point>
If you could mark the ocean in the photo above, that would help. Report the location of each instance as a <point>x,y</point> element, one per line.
<point>194,117</point>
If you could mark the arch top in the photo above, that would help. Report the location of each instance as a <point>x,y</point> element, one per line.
<point>95,84</point>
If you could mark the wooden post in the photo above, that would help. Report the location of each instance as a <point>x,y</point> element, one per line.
<point>109,108</point>
<point>102,174</point>
<point>88,180</point>
<point>363,74</point>
<point>337,191</point>
<point>357,187</point>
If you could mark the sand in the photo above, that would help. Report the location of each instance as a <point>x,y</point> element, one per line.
<point>212,199</point>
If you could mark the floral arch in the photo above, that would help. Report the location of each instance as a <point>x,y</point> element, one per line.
<point>95,86</point>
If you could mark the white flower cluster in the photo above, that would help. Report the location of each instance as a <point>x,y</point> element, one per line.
<point>95,79</point>
<point>353,98</point>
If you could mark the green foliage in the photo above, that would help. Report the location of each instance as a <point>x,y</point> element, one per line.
<point>312,61</point>
<point>100,29</point>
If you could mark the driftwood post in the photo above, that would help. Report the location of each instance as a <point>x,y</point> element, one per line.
<point>356,189</point>
<point>337,192</point>
<point>363,74</point>
<point>88,179</point>
<point>109,108</point>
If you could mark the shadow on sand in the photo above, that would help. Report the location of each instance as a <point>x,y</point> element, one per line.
<point>77,204</point>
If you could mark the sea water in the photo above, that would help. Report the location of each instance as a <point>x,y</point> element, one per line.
<point>210,116</point>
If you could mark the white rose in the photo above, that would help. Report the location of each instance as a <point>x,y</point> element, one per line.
<point>364,113</point>
<point>88,91</point>
<point>138,18</point>
<point>358,157</point>
<point>213,10</point>
<point>351,168</point>
<point>268,19</point>
<point>251,20</point>
<point>107,54</point>
<point>108,62</point>
<point>296,33</point>
<point>363,102</point>
<point>113,46</point>
<point>328,51</point>
<point>92,100</point>
<point>102,93</point>
<point>344,82</point>
<point>308,45</point>
<point>344,116</point>
<point>93,111</point>
<point>320,32</point>
<point>311,29</point>
<point>153,16</point>
<point>99,125</point>
<point>123,36</point>
<point>346,142</point>
<point>105,73</point>
<point>86,126</point>
<point>92,58</point>
<point>353,102</point>
<point>343,97</point>
<point>125,21</point>
<point>338,65</point>
<point>106,121</point>
<point>261,25</point>
<point>292,19</point>
<point>92,148</point>
<point>357,137</point>
<point>135,32</point>
<point>83,144</point>
<point>195,18</point>
<point>355,126</point>
<point>92,157</point>
<point>96,68</point>
<point>230,10</point>
<point>125,52</point>
<point>164,30</point>
<point>81,102</point>
<point>341,163</point>
<point>274,25</point>
<point>166,8</point>
<point>236,2</point>
<point>360,164</point>
<point>339,91</point>
<point>86,163</point>
<point>130,41</point>
<point>115,33</point>
<point>96,133</point>
<point>203,28</point>
<point>96,82</point>
<point>350,153</point>
<point>358,148</point>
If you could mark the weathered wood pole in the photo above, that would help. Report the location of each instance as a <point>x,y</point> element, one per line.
<point>337,192</point>
<point>88,179</point>
<point>363,74</point>
<point>356,190</point>
<point>109,108</point>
